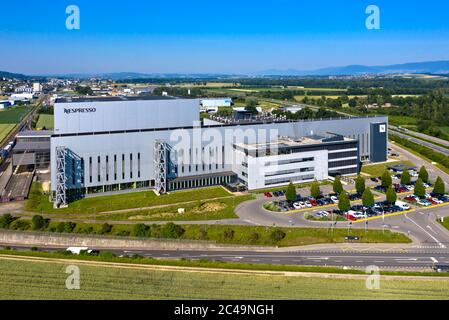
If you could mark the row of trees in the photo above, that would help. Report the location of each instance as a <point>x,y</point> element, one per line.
<point>344,203</point>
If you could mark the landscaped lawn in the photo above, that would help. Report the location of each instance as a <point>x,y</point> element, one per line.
<point>38,202</point>
<point>376,170</point>
<point>46,280</point>
<point>45,121</point>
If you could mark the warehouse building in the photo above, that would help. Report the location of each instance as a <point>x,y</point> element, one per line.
<point>118,143</point>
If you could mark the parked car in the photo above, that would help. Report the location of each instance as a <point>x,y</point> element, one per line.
<point>334,199</point>
<point>374,179</point>
<point>423,202</point>
<point>268,195</point>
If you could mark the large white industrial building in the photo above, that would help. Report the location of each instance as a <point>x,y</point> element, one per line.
<point>112,144</point>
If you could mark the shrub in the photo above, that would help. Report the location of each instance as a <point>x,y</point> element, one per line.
<point>20,225</point>
<point>6,220</point>
<point>254,237</point>
<point>140,230</point>
<point>37,222</point>
<point>172,231</point>
<point>228,234</point>
<point>69,227</point>
<point>202,234</point>
<point>60,227</point>
<point>106,228</point>
<point>277,235</point>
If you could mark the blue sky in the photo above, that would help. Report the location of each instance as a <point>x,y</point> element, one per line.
<point>217,36</point>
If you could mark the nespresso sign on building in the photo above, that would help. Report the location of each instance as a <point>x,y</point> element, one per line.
<point>80,110</point>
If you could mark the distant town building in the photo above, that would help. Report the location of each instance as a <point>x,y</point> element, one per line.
<point>22,96</point>
<point>214,103</point>
<point>23,89</point>
<point>37,87</point>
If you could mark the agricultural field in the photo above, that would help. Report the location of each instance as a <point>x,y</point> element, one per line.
<point>9,118</point>
<point>46,279</point>
<point>45,121</point>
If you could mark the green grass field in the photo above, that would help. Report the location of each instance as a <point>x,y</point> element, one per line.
<point>45,121</point>
<point>376,170</point>
<point>9,118</point>
<point>38,202</point>
<point>46,280</point>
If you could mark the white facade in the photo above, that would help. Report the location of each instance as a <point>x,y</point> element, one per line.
<point>94,116</point>
<point>22,96</point>
<point>115,140</point>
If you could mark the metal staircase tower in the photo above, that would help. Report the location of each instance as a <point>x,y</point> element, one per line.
<point>61,178</point>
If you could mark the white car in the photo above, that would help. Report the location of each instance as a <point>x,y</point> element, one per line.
<point>334,199</point>
<point>298,205</point>
<point>308,204</point>
<point>410,187</point>
<point>360,215</point>
<point>414,174</point>
<point>437,200</point>
<point>323,213</point>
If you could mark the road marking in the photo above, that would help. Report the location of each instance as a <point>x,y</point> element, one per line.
<point>378,261</point>
<point>434,260</point>
<point>436,240</point>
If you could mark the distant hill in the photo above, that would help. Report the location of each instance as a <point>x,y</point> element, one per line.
<point>4,74</point>
<point>434,67</point>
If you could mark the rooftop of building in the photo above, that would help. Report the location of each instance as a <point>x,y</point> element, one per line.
<point>290,142</point>
<point>35,133</point>
<point>112,99</point>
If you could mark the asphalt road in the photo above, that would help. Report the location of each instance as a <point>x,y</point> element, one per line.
<point>416,140</point>
<point>423,136</point>
<point>414,259</point>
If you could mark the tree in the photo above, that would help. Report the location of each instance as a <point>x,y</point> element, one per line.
<point>84,90</point>
<point>420,190</point>
<point>290,194</point>
<point>405,177</point>
<point>391,195</point>
<point>251,104</point>
<point>37,222</point>
<point>360,185</point>
<point>439,187</point>
<point>315,190</point>
<point>368,198</point>
<point>386,179</point>
<point>338,187</point>
<point>343,202</point>
<point>423,174</point>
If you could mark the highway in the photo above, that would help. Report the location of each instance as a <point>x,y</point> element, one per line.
<point>416,140</point>
<point>387,259</point>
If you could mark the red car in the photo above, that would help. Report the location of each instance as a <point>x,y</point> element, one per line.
<point>313,202</point>
<point>268,195</point>
<point>410,198</point>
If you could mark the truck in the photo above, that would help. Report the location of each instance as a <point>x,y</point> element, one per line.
<point>79,250</point>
